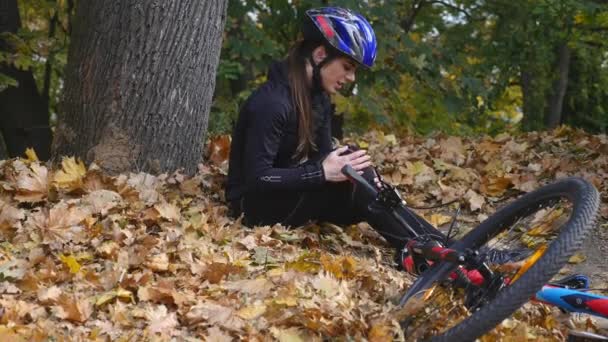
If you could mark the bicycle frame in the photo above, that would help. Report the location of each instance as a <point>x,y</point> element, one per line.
<point>572,300</point>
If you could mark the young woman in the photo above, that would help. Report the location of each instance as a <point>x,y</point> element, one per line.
<point>282,164</point>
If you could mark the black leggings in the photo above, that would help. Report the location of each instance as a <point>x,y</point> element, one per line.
<point>333,203</point>
<point>338,203</point>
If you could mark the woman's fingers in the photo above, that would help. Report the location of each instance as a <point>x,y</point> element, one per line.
<point>355,155</point>
<point>362,166</point>
<point>360,160</point>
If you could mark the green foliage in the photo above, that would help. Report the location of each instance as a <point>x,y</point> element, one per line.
<point>454,66</point>
<point>40,45</point>
<point>459,66</point>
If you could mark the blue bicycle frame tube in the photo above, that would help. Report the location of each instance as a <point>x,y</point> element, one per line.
<point>573,300</point>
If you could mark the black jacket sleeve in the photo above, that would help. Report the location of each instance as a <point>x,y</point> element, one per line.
<point>263,138</point>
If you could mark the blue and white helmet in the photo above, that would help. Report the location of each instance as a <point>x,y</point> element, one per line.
<point>347,31</point>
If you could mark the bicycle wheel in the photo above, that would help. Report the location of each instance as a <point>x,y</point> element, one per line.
<point>547,225</point>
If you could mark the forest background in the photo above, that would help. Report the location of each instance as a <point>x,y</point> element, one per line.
<point>462,67</point>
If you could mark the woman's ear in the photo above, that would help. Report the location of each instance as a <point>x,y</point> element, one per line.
<point>319,54</point>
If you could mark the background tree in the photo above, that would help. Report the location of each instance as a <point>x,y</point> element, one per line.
<point>139,83</point>
<point>32,39</point>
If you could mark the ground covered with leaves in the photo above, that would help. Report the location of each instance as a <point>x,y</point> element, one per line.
<point>140,257</point>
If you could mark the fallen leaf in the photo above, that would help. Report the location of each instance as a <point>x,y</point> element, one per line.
<point>577,258</point>
<point>72,308</point>
<point>168,211</point>
<point>31,155</point>
<point>252,311</point>
<point>215,314</point>
<point>71,262</point>
<point>32,184</point>
<point>215,334</point>
<point>160,320</point>
<point>287,335</point>
<point>476,201</point>
<point>71,175</point>
<point>380,333</point>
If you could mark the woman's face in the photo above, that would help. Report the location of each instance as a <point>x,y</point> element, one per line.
<point>338,72</point>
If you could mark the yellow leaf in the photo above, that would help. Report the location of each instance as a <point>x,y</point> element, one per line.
<point>105,298</point>
<point>363,144</point>
<point>110,295</point>
<point>31,154</point>
<point>252,312</point>
<point>439,219</point>
<point>577,258</point>
<point>287,335</point>
<point>71,174</point>
<point>380,333</point>
<point>71,262</point>
<point>287,301</point>
<point>341,267</point>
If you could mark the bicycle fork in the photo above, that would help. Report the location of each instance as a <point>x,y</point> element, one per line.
<point>423,253</point>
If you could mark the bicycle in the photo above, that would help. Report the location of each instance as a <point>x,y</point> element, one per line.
<point>460,293</point>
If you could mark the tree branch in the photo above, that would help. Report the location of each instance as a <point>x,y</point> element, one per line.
<point>408,22</point>
<point>456,8</point>
<point>48,67</point>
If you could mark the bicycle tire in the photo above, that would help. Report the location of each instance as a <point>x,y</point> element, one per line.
<point>585,200</point>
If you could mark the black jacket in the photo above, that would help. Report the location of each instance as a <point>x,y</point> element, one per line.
<point>265,139</point>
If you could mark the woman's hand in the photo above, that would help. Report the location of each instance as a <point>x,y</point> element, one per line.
<point>333,163</point>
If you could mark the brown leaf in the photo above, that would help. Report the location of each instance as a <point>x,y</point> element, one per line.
<point>168,211</point>
<point>49,295</point>
<point>164,293</point>
<point>215,314</point>
<point>61,222</point>
<point>452,150</point>
<point>219,149</point>
<point>101,201</point>
<point>158,262</point>
<point>160,320</point>
<point>380,333</point>
<point>476,201</point>
<point>216,271</point>
<point>258,286</point>
<point>215,334</point>
<point>32,184</point>
<point>72,308</point>
<point>494,186</point>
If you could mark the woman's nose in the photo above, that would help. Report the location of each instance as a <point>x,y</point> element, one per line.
<point>350,76</point>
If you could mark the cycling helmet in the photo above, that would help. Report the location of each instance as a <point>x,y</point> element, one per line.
<point>346,31</point>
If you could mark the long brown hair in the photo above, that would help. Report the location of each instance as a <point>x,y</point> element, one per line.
<point>300,94</point>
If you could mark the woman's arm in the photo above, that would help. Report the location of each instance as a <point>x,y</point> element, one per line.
<point>263,139</point>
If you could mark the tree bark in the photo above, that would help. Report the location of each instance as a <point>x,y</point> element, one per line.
<point>554,114</point>
<point>139,83</point>
<point>24,113</point>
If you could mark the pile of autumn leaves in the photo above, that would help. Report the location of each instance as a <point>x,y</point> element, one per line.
<point>137,257</point>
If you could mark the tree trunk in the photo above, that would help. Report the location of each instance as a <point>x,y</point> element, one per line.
<point>528,121</point>
<point>139,83</point>
<point>24,113</point>
<point>554,115</point>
